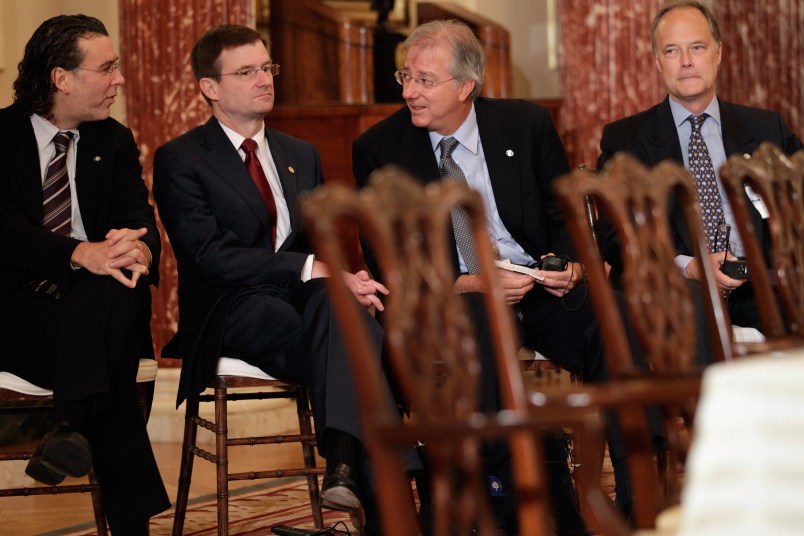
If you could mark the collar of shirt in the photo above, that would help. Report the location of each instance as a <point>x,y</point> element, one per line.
<point>710,130</point>
<point>237,141</point>
<point>45,131</point>
<point>467,135</point>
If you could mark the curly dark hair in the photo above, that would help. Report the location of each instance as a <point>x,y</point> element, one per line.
<point>53,44</point>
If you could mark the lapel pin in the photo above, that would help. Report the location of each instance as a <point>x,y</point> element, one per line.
<point>290,168</point>
<point>97,159</point>
<point>509,152</point>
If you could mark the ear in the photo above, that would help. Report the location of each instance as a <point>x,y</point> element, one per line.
<point>467,86</point>
<point>209,87</point>
<point>719,52</point>
<point>61,79</point>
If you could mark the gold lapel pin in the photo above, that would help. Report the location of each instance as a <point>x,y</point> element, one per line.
<point>290,168</point>
<point>509,152</point>
<point>97,159</point>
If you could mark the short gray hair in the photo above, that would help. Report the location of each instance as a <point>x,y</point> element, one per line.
<point>467,61</point>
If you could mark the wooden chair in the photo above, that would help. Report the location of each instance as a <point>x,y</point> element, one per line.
<point>432,357</point>
<point>659,308</point>
<point>19,397</point>
<point>779,182</point>
<point>238,375</point>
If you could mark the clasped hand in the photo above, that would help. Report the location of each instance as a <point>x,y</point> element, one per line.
<point>121,250</point>
<point>365,289</point>
<point>362,286</point>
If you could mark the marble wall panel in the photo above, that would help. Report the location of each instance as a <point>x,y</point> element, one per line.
<point>163,100</point>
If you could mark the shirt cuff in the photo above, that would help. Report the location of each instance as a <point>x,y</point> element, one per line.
<point>682,261</point>
<point>307,269</point>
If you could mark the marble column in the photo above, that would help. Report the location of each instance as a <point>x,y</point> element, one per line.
<point>163,100</point>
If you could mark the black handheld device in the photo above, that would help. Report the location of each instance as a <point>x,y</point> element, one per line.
<point>736,269</point>
<point>552,263</point>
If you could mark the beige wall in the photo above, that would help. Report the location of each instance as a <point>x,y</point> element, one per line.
<point>19,19</point>
<point>527,22</point>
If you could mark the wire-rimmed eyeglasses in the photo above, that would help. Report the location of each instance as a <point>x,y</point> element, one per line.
<point>109,69</point>
<point>250,74</point>
<point>403,78</point>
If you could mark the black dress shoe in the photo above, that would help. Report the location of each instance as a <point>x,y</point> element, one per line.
<point>61,452</point>
<point>339,492</point>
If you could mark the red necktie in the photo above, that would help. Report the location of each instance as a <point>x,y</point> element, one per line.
<point>254,167</point>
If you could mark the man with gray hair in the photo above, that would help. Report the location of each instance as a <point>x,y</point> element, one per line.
<point>509,152</point>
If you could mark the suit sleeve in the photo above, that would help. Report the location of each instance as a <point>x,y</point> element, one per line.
<point>205,235</point>
<point>130,208</point>
<point>364,162</point>
<point>791,143</point>
<point>608,147</point>
<point>551,164</point>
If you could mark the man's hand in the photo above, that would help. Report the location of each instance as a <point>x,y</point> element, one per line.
<point>724,282</point>
<point>122,249</point>
<point>514,284</point>
<point>560,283</point>
<point>365,289</point>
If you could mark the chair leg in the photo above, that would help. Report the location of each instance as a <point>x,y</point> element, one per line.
<point>222,460</point>
<point>97,506</point>
<point>306,428</point>
<point>186,468</point>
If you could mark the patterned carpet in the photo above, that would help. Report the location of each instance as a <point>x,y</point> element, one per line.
<point>252,511</point>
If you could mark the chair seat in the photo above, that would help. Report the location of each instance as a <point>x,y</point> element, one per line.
<point>741,334</point>
<point>228,366</point>
<point>146,372</point>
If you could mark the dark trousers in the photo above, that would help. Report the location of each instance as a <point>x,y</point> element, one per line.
<point>86,347</point>
<point>297,338</point>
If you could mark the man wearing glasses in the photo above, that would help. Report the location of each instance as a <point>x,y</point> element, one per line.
<point>249,287</point>
<point>79,249</point>
<point>510,153</point>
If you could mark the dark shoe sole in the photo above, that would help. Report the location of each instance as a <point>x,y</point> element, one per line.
<point>69,453</point>
<point>60,456</point>
<point>43,472</point>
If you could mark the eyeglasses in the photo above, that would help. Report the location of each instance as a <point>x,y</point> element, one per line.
<point>105,70</point>
<point>403,79</point>
<point>251,74</point>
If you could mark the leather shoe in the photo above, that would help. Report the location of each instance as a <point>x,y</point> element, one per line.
<point>339,492</point>
<point>62,452</point>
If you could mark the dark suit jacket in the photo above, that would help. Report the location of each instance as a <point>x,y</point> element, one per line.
<point>521,182</point>
<point>219,230</point>
<point>652,137</point>
<point>111,195</point>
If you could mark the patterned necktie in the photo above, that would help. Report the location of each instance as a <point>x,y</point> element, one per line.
<point>450,171</point>
<point>254,167</point>
<point>706,186</point>
<point>57,213</point>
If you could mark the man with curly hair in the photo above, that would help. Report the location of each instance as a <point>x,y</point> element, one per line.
<point>79,241</point>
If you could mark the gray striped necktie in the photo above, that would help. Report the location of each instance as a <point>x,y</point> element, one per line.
<point>450,171</point>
